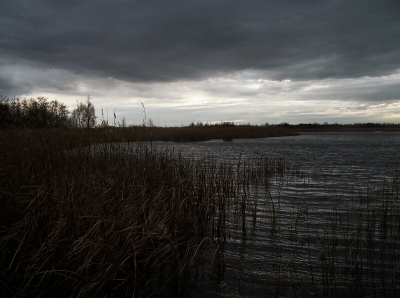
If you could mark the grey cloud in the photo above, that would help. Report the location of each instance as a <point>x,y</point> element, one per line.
<point>24,78</point>
<point>141,41</point>
<point>8,89</point>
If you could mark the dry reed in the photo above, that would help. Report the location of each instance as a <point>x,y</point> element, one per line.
<point>108,220</point>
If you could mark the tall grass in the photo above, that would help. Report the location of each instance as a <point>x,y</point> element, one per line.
<point>109,220</point>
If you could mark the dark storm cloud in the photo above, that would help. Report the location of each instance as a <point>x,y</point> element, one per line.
<point>177,40</point>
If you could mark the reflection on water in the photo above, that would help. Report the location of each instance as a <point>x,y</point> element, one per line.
<point>329,223</point>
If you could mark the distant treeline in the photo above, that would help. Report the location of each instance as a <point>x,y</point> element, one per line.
<point>308,126</point>
<point>341,127</point>
<point>224,124</point>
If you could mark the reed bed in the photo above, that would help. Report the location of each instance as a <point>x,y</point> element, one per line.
<point>106,220</point>
<point>85,137</point>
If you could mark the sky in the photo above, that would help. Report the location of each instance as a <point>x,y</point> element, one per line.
<point>254,61</point>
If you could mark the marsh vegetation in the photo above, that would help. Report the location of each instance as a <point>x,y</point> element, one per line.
<point>85,221</point>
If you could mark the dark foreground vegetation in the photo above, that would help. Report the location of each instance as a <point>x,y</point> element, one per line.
<point>96,221</point>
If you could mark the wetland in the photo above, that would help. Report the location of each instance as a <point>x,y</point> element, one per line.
<point>315,214</point>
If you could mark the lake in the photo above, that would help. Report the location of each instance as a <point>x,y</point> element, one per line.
<point>328,226</point>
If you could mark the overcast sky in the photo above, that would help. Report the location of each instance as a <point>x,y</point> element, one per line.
<point>207,60</point>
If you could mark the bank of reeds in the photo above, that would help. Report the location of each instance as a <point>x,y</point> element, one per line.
<point>83,137</point>
<point>111,221</point>
<point>83,224</point>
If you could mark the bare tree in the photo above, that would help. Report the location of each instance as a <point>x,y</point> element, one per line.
<point>84,115</point>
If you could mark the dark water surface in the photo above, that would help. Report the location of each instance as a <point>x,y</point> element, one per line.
<point>338,196</point>
<point>339,156</point>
